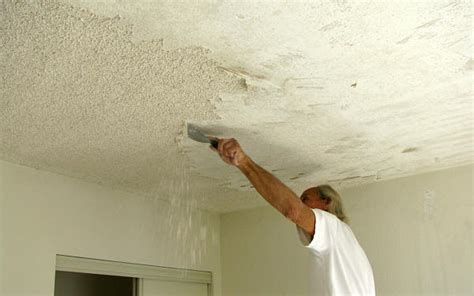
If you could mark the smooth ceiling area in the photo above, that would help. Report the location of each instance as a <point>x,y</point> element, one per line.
<point>339,92</point>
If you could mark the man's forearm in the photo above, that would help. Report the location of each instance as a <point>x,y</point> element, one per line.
<point>270,188</point>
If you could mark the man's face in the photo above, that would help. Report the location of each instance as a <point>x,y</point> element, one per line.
<point>311,198</point>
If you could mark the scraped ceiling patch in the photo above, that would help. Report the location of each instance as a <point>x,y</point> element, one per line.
<point>78,97</point>
<point>343,93</point>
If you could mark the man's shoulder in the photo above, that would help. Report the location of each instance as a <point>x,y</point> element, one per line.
<point>326,215</point>
<point>330,220</point>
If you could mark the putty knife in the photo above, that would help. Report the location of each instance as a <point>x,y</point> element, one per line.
<point>195,134</point>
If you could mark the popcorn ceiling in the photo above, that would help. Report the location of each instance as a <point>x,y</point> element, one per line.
<point>79,98</point>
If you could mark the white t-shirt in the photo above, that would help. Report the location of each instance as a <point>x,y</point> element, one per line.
<point>339,265</point>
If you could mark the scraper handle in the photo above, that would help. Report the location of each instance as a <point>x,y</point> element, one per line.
<point>214,143</point>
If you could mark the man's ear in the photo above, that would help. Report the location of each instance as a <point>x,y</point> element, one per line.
<point>326,203</point>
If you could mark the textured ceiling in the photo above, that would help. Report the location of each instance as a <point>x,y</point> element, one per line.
<point>325,91</point>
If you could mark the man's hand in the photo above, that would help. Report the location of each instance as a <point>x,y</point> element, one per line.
<point>230,152</point>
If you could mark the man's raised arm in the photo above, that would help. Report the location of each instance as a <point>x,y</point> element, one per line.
<point>270,188</point>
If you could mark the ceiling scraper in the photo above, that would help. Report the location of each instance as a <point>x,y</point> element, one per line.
<point>197,135</point>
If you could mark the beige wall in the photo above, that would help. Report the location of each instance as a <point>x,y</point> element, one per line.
<point>46,214</point>
<point>417,232</point>
<point>261,255</point>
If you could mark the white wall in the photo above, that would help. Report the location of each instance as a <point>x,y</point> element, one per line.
<point>412,251</point>
<point>414,248</point>
<point>417,232</point>
<point>261,255</point>
<point>46,214</point>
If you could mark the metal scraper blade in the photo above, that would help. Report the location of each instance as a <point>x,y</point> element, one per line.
<point>195,133</point>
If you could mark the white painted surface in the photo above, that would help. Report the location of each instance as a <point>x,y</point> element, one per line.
<point>47,214</point>
<point>346,92</point>
<point>168,288</point>
<point>411,251</point>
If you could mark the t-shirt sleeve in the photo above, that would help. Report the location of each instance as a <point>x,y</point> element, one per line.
<point>323,235</point>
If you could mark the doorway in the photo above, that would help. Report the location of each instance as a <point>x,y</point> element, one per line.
<point>78,276</point>
<point>81,284</point>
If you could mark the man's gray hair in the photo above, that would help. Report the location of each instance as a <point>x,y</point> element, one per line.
<point>326,192</point>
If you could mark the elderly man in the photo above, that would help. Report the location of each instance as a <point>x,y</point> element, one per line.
<point>339,265</point>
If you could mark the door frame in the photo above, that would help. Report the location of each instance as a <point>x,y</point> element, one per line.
<point>139,271</point>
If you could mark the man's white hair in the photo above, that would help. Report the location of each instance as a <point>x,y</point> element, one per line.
<point>326,192</point>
